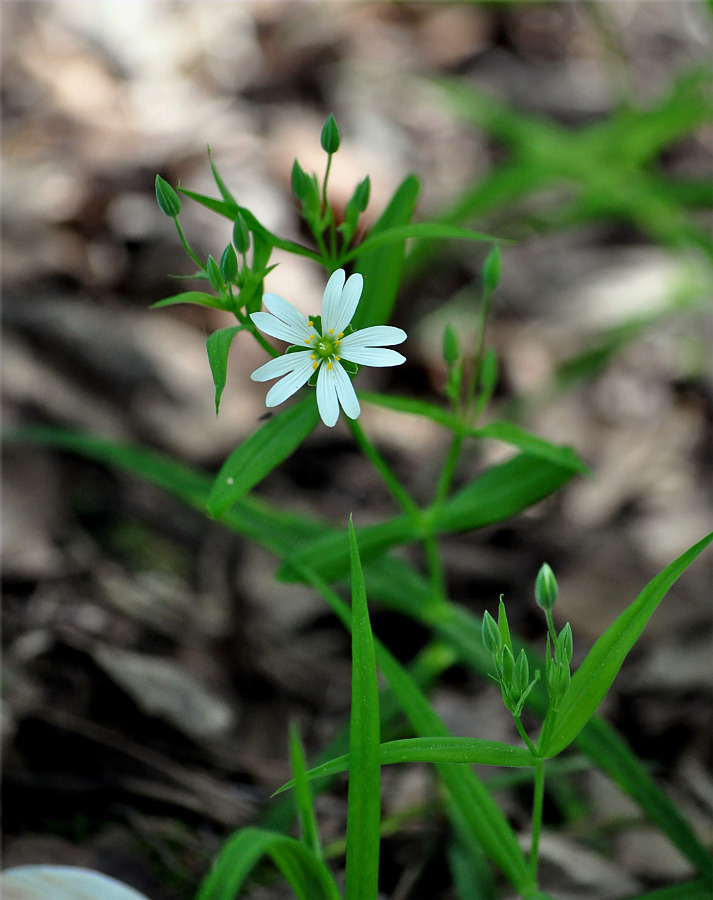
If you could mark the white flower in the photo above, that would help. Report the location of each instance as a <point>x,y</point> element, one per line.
<point>323,352</point>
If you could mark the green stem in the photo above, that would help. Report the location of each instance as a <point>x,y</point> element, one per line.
<point>399,493</point>
<point>551,628</point>
<point>523,735</point>
<point>186,247</point>
<point>537,804</point>
<point>477,363</point>
<point>247,322</point>
<point>328,211</point>
<point>435,570</point>
<point>447,472</point>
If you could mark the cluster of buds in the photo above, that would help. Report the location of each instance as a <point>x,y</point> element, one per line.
<point>559,646</point>
<point>513,675</point>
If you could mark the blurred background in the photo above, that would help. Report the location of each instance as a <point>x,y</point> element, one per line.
<point>151,663</point>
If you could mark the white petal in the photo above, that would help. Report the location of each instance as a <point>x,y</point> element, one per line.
<point>342,312</point>
<point>330,300</point>
<point>375,336</point>
<point>279,366</point>
<point>345,392</point>
<point>327,402</point>
<point>276,328</point>
<point>371,356</point>
<point>291,383</point>
<point>284,310</point>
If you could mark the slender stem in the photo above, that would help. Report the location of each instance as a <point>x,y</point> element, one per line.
<point>537,804</point>
<point>523,735</point>
<point>399,493</point>
<point>328,211</point>
<point>552,630</point>
<point>435,569</point>
<point>185,245</point>
<point>247,322</point>
<point>476,366</point>
<point>448,470</point>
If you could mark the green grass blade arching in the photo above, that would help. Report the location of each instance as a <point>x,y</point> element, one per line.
<point>595,675</point>
<point>473,751</point>
<point>364,800</point>
<point>308,876</point>
<point>265,449</point>
<point>303,794</point>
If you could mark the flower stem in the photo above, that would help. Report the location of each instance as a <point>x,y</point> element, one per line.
<point>523,734</point>
<point>186,247</point>
<point>399,493</point>
<point>537,803</point>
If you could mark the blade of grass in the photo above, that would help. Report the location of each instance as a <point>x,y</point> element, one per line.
<point>303,794</point>
<point>364,801</point>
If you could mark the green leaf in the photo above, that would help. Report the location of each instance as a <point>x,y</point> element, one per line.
<point>496,494</point>
<point>303,794</point>
<point>594,677</point>
<point>397,586</point>
<point>329,553</point>
<point>222,187</point>
<point>218,347</point>
<point>432,750</point>
<point>690,890</point>
<point>261,452</point>
<point>413,407</point>
<point>422,230</point>
<point>531,444</point>
<point>197,297</point>
<point>501,492</point>
<point>307,875</point>
<point>382,266</point>
<point>364,800</point>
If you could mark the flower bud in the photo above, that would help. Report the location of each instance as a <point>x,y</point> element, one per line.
<point>491,269</point>
<point>546,588</point>
<point>241,235</point>
<point>167,198</point>
<point>450,345</point>
<point>229,264</point>
<point>214,274</point>
<point>491,634</point>
<point>330,135</point>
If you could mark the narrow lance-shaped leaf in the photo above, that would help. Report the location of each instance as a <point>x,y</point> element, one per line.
<point>303,794</point>
<point>218,347</point>
<point>594,677</point>
<point>261,453</point>
<point>307,875</point>
<point>364,803</point>
<point>432,750</point>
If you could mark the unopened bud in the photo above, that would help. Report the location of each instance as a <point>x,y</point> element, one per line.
<point>546,588</point>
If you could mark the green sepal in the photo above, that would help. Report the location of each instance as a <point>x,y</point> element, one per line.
<point>214,274</point>
<point>168,200</point>
<point>492,640</point>
<point>349,367</point>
